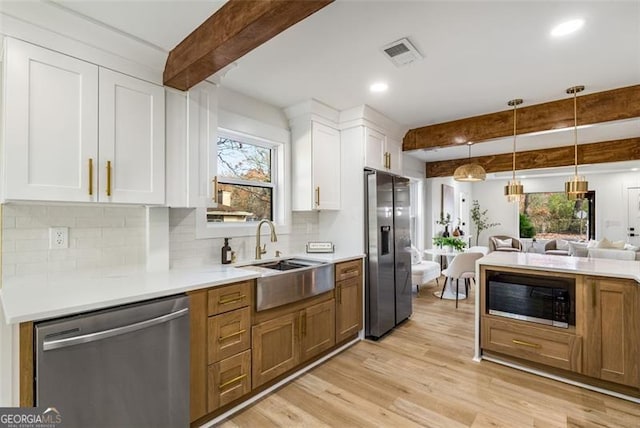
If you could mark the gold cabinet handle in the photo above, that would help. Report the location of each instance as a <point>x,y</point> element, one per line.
<point>233,299</point>
<point>232,381</point>
<point>229,336</point>
<point>529,344</point>
<point>214,189</point>
<point>318,196</point>
<point>90,176</point>
<point>389,162</point>
<point>108,178</point>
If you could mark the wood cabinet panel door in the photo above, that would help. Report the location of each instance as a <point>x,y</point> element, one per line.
<point>613,329</point>
<point>51,123</point>
<point>131,132</point>
<point>318,329</point>
<point>348,308</point>
<point>229,334</point>
<point>275,348</point>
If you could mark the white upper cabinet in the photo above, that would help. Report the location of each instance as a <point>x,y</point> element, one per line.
<point>131,140</point>
<point>382,152</point>
<point>394,157</point>
<point>325,147</point>
<point>375,149</point>
<point>50,125</point>
<point>65,120</point>
<point>192,129</point>
<point>315,149</point>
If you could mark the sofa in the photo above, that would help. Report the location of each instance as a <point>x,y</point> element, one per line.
<point>604,249</point>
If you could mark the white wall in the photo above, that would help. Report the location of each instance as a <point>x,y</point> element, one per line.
<point>433,202</point>
<point>611,202</point>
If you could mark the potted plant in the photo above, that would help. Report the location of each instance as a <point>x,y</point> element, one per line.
<point>444,221</point>
<point>449,243</point>
<point>481,220</point>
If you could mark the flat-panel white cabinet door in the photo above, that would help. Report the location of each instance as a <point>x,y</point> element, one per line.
<point>131,131</point>
<point>326,166</point>
<point>51,123</point>
<point>394,148</point>
<point>203,141</point>
<point>374,149</point>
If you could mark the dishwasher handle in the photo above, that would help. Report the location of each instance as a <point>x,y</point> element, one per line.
<point>99,335</point>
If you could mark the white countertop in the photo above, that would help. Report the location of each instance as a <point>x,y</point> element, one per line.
<point>36,298</point>
<point>581,265</point>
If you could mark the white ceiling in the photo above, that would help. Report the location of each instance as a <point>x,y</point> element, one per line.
<point>478,55</point>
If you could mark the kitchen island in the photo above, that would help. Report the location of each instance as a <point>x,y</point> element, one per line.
<point>573,319</point>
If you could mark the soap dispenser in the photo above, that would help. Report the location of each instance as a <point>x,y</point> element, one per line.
<point>226,252</point>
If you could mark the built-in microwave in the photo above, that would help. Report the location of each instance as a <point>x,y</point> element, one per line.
<point>539,299</point>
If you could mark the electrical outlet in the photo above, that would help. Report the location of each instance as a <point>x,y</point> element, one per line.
<point>58,237</point>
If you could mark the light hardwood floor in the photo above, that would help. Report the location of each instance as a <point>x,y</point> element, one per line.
<point>422,374</point>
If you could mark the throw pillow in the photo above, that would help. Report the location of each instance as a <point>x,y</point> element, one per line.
<point>578,249</point>
<point>503,243</point>
<point>618,245</point>
<point>561,244</point>
<point>593,243</point>
<point>604,243</point>
<point>631,247</point>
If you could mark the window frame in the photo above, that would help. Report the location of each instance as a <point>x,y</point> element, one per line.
<point>280,178</point>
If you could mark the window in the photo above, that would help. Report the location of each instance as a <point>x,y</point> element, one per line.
<point>246,181</point>
<point>553,216</point>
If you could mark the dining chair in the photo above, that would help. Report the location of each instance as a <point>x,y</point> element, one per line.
<point>463,266</point>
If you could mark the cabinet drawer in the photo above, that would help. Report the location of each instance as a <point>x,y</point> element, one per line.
<point>229,379</point>
<point>228,334</point>
<point>556,349</point>
<point>348,270</point>
<point>229,297</point>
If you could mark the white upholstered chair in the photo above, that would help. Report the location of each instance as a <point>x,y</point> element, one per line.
<point>423,271</point>
<point>463,266</point>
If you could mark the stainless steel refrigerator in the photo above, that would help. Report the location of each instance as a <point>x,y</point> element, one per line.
<point>388,248</point>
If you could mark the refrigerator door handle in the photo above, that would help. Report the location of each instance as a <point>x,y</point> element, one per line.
<point>92,337</point>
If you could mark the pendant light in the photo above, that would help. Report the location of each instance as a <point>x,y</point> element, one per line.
<point>469,171</point>
<point>514,190</point>
<point>577,186</point>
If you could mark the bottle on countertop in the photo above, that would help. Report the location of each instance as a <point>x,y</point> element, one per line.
<point>226,252</point>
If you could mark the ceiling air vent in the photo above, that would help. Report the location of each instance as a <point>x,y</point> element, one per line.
<point>401,52</point>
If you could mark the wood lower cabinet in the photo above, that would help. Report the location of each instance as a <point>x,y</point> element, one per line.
<point>229,333</point>
<point>612,330</point>
<point>229,379</point>
<point>348,299</point>
<point>542,345</point>
<point>275,348</point>
<point>317,332</point>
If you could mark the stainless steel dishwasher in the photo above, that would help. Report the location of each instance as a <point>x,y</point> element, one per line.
<point>121,367</point>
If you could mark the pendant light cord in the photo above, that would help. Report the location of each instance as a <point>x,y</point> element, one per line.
<point>575,130</point>
<point>514,141</point>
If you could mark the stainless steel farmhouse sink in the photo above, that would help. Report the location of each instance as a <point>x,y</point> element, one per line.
<point>292,280</point>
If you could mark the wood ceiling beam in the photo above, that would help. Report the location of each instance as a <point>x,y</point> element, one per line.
<point>603,152</point>
<point>616,104</point>
<point>234,30</point>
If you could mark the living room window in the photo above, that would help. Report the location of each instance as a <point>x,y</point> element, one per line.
<point>246,180</point>
<point>550,215</point>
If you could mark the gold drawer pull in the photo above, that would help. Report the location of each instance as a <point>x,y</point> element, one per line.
<point>350,272</point>
<point>237,333</point>
<point>231,300</point>
<point>232,381</point>
<point>529,344</point>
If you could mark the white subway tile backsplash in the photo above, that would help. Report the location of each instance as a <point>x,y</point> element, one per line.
<point>99,237</point>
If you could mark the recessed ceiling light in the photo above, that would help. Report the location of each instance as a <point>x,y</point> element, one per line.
<point>567,27</point>
<point>634,169</point>
<point>378,87</point>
